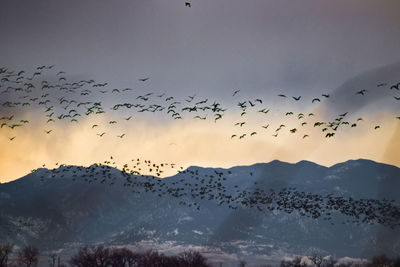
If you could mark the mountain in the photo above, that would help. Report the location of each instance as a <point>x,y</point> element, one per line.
<point>349,209</point>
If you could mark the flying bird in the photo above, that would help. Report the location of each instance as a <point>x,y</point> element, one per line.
<point>362,92</point>
<point>234,93</point>
<point>296,98</point>
<point>144,79</point>
<point>188,4</point>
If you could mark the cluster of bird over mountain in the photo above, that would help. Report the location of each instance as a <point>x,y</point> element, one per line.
<point>193,187</point>
<point>71,101</point>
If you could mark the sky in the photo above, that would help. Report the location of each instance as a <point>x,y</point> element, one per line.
<point>262,48</point>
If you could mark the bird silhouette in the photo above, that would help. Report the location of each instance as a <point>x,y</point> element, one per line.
<point>234,93</point>
<point>188,4</point>
<point>362,92</point>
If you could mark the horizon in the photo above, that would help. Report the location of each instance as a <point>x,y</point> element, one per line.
<point>173,173</point>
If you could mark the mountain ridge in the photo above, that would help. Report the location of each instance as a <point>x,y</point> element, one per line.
<point>237,210</point>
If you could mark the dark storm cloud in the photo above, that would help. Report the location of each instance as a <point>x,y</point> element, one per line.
<point>261,47</point>
<point>376,82</point>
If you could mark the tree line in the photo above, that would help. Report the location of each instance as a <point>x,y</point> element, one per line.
<point>100,256</point>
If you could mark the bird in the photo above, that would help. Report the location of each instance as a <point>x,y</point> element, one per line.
<point>234,93</point>
<point>329,135</point>
<point>282,95</point>
<point>315,99</point>
<point>242,136</point>
<point>201,118</point>
<point>144,79</point>
<point>296,98</point>
<point>48,132</point>
<point>101,135</point>
<point>233,135</point>
<point>397,98</point>
<point>377,127</point>
<point>128,118</point>
<point>325,95</point>
<point>120,136</point>
<point>265,126</point>
<point>12,138</point>
<point>361,92</point>
<point>188,4</point>
<point>253,133</point>
<point>304,136</point>
<point>264,110</point>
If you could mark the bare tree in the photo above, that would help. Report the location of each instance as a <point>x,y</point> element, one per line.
<point>28,256</point>
<point>242,263</point>
<point>97,256</point>
<point>193,258</point>
<point>5,251</point>
<point>123,257</point>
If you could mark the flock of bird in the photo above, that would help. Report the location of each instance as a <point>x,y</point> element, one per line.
<point>193,187</point>
<point>62,100</point>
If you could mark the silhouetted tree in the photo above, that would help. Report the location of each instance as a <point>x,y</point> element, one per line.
<point>123,257</point>
<point>55,261</point>
<point>28,256</point>
<point>5,251</point>
<point>91,257</point>
<point>242,263</point>
<point>193,258</point>
<point>383,261</point>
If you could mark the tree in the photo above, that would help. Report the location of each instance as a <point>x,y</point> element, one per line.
<point>91,257</point>
<point>28,256</point>
<point>123,257</point>
<point>193,258</point>
<point>5,251</point>
<point>242,263</point>
<point>383,261</point>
